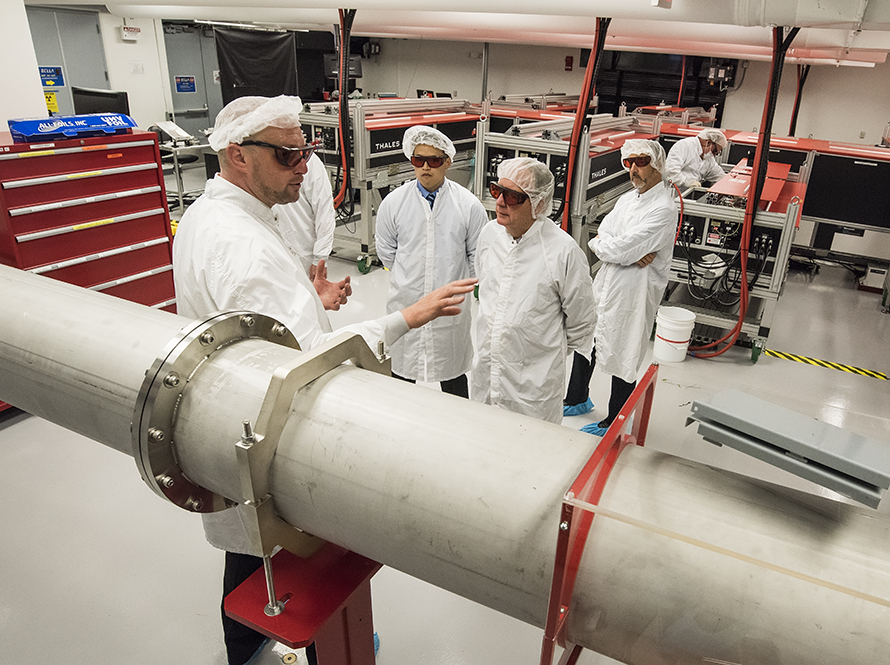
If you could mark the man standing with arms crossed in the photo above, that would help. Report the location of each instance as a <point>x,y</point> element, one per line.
<point>635,244</point>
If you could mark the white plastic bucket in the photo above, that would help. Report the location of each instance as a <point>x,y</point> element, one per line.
<point>673,329</point>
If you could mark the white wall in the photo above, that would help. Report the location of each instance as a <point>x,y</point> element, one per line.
<point>138,67</point>
<point>19,77</point>
<point>838,103</point>
<point>404,66</point>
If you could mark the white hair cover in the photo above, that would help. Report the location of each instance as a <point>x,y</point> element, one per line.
<point>715,135</point>
<point>534,178</point>
<point>423,135</point>
<point>644,147</point>
<point>246,116</point>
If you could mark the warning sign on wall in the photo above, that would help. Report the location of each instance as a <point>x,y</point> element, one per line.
<point>52,104</point>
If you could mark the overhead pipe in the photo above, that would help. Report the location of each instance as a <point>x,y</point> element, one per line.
<point>835,14</point>
<point>660,33</point>
<point>684,563</point>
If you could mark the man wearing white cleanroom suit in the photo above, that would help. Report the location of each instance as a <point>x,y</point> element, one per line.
<point>691,161</point>
<point>535,297</point>
<point>229,254</point>
<point>308,223</point>
<point>635,244</point>
<point>426,236</point>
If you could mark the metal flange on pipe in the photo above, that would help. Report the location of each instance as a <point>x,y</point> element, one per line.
<point>155,412</point>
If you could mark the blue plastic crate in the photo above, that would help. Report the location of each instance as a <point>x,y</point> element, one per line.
<point>57,128</point>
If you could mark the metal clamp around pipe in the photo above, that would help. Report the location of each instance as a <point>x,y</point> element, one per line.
<point>161,392</point>
<point>257,447</point>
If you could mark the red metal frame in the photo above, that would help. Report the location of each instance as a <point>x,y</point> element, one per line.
<point>574,529</point>
<point>327,601</point>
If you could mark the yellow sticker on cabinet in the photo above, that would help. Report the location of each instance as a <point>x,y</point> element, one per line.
<point>89,225</point>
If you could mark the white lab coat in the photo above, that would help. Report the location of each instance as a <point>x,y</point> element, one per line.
<point>685,165</point>
<point>229,255</point>
<point>535,307</point>
<point>627,296</point>
<point>424,249</point>
<point>307,225</point>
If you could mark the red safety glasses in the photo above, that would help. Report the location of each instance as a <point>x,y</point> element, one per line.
<point>641,161</point>
<point>288,157</point>
<point>511,196</point>
<point>434,162</point>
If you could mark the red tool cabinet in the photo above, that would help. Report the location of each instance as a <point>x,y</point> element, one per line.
<point>91,212</point>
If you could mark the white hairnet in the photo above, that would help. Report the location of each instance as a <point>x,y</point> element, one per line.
<point>714,135</point>
<point>246,116</point>
<point>533,178</point>
<point>644,147</point>
<point>423,135</point>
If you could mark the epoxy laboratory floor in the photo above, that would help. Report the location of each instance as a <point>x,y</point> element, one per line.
<point>96,570</point>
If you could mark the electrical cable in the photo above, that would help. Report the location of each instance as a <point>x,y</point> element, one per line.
<point>758,177</point>
<point>682,82</point>
<point>344,200</point>
<point>581,121</point>
<point>802,72</point>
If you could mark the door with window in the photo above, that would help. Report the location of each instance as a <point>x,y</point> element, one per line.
<point>194,76</point>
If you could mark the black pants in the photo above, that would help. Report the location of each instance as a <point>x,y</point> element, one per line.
<point>457,386</point>
<point>579,387</point>
<point>241,641</point>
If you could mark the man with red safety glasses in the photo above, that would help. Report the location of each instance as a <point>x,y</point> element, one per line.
<point>635,244</point>
<point>426,237</point>
<point>535,297</point>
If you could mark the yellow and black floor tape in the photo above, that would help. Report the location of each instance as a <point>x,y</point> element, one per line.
<point>824,363</point>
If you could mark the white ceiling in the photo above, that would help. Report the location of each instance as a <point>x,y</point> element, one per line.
<point>846,32</point>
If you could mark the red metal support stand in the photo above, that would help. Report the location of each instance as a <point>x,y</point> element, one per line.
<point>327,601</point>
<point>574,528</point>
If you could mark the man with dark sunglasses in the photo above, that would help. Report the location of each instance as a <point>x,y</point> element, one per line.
<point>229,254</point>
<point>635,244</point>
<point>307,226</point>
<point>692,161</point>
<point>426,236</point>
<point>535,297</point>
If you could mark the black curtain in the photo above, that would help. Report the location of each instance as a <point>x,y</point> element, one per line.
<point>256,63</point>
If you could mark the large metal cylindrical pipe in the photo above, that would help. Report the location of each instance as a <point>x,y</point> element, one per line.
<point>76,359</point>
<point>688,562</point>
<point>684,564</point>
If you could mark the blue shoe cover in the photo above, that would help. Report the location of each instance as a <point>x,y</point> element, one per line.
<point>595,429</point>
<point>376,644</point>
<point>578,409</point>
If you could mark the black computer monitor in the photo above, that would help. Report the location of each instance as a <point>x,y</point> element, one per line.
<point>97,100</point>
<point>332,66</point>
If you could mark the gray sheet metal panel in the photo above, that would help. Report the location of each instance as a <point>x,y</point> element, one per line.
<point>849,453</point>
<point>824,476</point>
